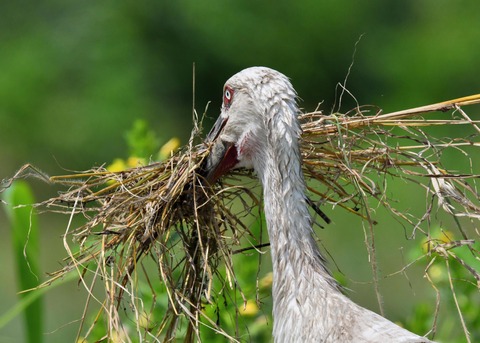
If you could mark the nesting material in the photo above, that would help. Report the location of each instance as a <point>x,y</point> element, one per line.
<point>167,211</point>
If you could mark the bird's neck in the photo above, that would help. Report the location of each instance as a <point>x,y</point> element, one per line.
<point>296,258</point>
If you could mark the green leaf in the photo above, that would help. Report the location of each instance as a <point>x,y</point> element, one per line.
<point>25,241</point>
<point>142,142</point>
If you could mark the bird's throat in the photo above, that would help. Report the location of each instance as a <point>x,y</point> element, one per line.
<point>297,261</point>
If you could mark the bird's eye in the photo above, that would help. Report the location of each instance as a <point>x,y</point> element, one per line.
<point>227,96</point>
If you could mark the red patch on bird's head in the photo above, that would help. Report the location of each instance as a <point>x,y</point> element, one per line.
<point>227,96</point>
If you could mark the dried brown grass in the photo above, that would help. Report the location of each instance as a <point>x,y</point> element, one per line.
<point>165,211</point>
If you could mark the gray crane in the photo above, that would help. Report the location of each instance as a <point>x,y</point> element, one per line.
<point>258,128</point>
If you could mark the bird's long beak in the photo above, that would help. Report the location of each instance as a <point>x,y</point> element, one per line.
<point>223,155</point>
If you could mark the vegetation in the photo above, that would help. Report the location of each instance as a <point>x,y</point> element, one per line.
<point>76,77</point>
<point>24,231</point>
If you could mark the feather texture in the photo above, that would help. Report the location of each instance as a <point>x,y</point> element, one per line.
<point>308,305</point>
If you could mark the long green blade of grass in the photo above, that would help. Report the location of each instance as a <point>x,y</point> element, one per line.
<point>25,241</point>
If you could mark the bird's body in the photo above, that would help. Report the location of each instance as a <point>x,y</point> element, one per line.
<point>258,128</point>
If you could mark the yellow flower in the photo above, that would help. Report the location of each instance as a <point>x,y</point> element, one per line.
<point>169,147</point>
<point>117,337</point>
<point>438,237</point>
<point>134,161</point>
<point>250,308</point>
<point>117,165</point>
<point>447,236</point>
<point>266,281</point>
<point>436,273</point>
<point>143,320</point>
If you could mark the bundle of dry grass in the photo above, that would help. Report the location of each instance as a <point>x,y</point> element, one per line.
<point>190,229</point>
<point>354,146</point>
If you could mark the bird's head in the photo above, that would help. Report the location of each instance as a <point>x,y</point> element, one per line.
<point>254,101</point>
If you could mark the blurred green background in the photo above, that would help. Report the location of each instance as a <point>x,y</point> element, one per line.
<point>74,76</point>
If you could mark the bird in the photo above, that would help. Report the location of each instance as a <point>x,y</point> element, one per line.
<point>258,128</point>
